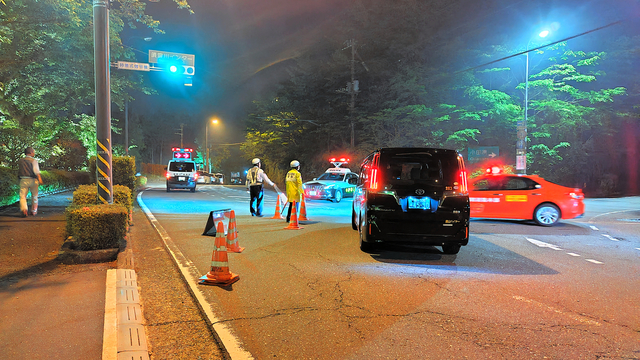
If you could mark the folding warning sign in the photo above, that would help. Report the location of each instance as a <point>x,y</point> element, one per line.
<point>215,217</point>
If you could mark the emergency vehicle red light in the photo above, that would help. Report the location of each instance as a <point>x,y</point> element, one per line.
<point>332,159</point>
<point>494,170</point>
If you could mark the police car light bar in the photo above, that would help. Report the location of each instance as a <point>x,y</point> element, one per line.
<point>337,162</point>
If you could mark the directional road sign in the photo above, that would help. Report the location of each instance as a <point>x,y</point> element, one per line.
<point>481,153</point>
<point>133,66</point>
<point>184,59</point>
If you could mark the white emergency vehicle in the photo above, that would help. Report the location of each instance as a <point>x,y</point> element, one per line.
<point>181,170</point>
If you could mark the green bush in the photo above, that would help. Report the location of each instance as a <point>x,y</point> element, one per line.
<point>53,181</point>
<point>97,226</point>
<point>9,188</point>
<point>123,170</point>
<point>88,195</point>
<point>141,181</point>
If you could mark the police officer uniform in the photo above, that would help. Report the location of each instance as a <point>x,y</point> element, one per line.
<point>255,179</point>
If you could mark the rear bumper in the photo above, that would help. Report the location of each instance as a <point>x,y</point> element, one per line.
<point>174,184</point>
<point>443,226</point>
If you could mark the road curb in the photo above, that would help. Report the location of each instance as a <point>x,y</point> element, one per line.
<point>231,345</point>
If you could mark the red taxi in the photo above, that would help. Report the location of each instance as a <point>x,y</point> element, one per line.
<point>525,197</point>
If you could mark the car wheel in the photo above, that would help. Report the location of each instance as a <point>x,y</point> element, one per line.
<point>168,188</point>
<point>546,214</point>
<point>354,226</point>
<point>337,196</point>
<point>364,245</point>
<point>451,249</point>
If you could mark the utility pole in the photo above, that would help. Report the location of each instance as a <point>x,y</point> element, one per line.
<point>352,90</point>
<point>104,174</point>
<point>126,127</point>
<point>353,87</point>
<point>181,133</point>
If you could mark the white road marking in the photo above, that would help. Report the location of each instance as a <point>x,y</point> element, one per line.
<point>543,244</point>
<point>573,254</point>
<point>637,248</point>
<point>579,318</point>
<point>594,261</point>
<point>610,237</point>
<point>594,228</point>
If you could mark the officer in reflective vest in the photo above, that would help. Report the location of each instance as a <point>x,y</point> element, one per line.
<point>294,187</point>
<point>255,178</point>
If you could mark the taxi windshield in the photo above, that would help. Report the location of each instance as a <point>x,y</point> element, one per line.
<point>331,176</point>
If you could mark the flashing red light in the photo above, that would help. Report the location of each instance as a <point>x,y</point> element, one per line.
<point>332,159</point>
<point>494,170</point>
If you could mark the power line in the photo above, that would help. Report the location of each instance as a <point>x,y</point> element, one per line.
<point>540,47</point>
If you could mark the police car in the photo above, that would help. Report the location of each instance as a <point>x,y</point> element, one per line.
<point>334,185</point>
<point>526,197</point>
<point>181,170</point>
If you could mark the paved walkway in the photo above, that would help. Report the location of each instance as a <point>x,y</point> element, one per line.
<point>47,310</point>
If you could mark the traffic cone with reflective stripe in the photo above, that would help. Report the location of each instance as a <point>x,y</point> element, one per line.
<point>219,274</point>
<point>293,223</point>
<point>303,210</point>
<point>278,214</point>
<point>232,235</point>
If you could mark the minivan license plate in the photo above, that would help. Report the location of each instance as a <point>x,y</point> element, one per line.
<point>181,178</point>
<point>419,203</point>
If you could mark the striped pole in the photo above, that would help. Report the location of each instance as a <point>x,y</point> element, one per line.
<point>103,100</point>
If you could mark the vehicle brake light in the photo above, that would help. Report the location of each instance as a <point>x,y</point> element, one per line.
<point>464,188</point>
<point>577,194</point>
<point>373,185</point>
<point>167,175</point>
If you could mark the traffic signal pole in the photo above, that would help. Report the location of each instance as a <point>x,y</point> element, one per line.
<point>103,100</point>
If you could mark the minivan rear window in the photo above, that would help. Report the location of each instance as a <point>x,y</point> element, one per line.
<point>418,167</point>
<point>182,166</point>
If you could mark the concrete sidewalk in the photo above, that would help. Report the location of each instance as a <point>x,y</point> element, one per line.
<point>48,310</point>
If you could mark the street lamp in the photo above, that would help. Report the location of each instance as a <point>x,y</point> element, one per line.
<point>521,143</point>
<point>214,121</point>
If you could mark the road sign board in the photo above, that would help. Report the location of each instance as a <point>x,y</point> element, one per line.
<point>184,59</point>
<point>480,153</point>
<point>133,66</point>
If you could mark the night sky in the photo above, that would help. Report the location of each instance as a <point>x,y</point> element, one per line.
<point>236,40</point>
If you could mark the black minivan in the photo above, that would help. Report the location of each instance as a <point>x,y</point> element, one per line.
<point>412,195</point>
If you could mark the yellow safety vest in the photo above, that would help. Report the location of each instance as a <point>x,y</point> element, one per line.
<point>294,186</point>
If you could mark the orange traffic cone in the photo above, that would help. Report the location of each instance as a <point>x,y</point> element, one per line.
<point>303,210</point>
<point>293,224</point>
<point>278,214</point>
<point>232,235</point>
<point>219,274</point>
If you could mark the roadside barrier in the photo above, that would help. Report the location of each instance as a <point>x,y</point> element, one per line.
<point>293,224</point>
<point>232,235</point>
<point>303,210</point>
<point>278,214</point>
<point>216,216</point>
<point>219,274</point>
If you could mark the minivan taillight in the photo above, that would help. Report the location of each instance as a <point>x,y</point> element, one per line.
<point>373,176</point>
<point>167,175</point>
<point>464,188</point>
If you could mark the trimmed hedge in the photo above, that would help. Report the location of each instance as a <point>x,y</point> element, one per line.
<point>54,180</point>
<point>123,170</point>
<point>97,226</point>
<point>88,195</point>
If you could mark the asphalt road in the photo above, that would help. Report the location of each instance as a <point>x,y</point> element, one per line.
<point>516,291</point>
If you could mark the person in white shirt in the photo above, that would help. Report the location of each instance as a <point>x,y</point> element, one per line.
<point>255,178</point>
<point>30,179</point>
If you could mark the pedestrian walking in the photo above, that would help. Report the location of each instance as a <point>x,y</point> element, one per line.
<point>256,177</point>
<point>30,179</point>
<point>294,187</point>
